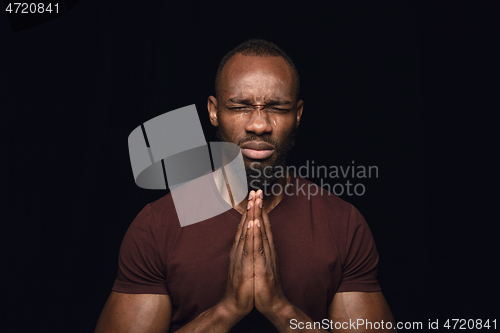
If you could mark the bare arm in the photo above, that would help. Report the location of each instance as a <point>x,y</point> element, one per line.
<point>129,313</point>
<point>345,310</point>
<point>148,313</point>
<point>348,307</point>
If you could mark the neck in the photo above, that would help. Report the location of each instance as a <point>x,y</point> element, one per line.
<point>270,200</point>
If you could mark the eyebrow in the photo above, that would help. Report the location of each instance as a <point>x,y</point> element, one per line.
<point>247,101</point>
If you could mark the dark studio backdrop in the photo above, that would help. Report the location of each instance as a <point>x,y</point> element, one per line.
<point>398,85</point>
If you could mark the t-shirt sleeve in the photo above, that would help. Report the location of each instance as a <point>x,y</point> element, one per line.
<point>141,268</point>
<point>359,271</point>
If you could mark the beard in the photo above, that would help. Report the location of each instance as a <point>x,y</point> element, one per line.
<point>259,175</point>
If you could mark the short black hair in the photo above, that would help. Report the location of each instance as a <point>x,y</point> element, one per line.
<point>257,48</point>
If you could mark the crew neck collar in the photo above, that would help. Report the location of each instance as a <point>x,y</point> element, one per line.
<point>231,210</point>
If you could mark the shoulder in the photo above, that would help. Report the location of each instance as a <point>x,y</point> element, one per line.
<point>157,216</point>
<point>162,208</point>
<point>156,223</point>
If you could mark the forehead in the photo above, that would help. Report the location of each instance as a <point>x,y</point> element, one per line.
<point>253,75</point>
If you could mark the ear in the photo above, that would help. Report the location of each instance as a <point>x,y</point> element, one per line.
<point>212,110</point>
<point>300,107</point>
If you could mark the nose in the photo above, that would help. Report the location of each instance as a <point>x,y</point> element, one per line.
<point>259,122</point>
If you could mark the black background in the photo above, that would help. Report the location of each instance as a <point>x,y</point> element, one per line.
<point>405,86</point>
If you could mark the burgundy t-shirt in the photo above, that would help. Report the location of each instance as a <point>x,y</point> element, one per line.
<point>323,243</point>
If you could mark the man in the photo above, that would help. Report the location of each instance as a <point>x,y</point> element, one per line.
<point>278,261</point>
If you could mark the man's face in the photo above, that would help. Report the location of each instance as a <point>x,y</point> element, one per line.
<point>257,110</point>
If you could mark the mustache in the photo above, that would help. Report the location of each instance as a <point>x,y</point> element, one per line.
<point>258,139</point>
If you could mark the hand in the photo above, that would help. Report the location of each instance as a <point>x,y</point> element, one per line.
<point>269,297</point>
<point>239,296</point>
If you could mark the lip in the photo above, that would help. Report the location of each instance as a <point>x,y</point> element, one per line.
<point>257,150</point>
<point>257,154</point>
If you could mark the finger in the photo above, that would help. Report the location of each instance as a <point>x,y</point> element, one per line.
<point>258,213</point>
<point>242,249</point>
<point>247,241</point>
<point>259,255</point>
<point>250,206</point>
<point>263,235</point>
<point>262,248</point>
<point>247,256</point>
<point>267,226</point>
<point>248,244</point>
<point>251,203</point>
<point>248,216</point>
<point>267,236</point>
<point>258,204</point>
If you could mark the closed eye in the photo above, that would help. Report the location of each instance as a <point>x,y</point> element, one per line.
<point>241,108</point>
<point>279,110</point>
<point>249,108</point>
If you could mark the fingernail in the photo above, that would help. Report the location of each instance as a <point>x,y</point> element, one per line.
<point>250,196</point>
<point>258,223</point>
<point>248,206</point>
<point>260,204</point>
<point>261,195</point>
<point>249,224</point>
